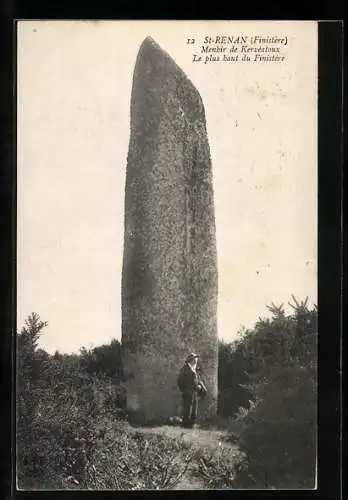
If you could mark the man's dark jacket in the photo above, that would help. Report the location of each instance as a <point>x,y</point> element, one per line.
<point>189,381</point>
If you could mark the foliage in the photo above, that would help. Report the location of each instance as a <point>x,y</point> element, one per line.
<point>218,466</point>
<point>278,430</point>
<point>133,461</point>
<point>72,430</point>
<point>30,364</point>
<point>232,378</point>
<point>104,360</point>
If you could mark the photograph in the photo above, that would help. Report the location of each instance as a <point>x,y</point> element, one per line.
<point>167,305</point>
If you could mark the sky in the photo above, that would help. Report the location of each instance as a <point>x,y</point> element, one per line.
<point>73,107</point>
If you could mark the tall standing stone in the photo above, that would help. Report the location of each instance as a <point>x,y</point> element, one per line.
<point>169,281</point>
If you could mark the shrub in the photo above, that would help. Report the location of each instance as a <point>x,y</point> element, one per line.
<point>70,433</point>
<point>218,466</point>
<point>130,460</point>
<point>104,360</point>
<point>278,431</point>
<point>231,379</point>
<point>61,411</point>
<point>30,364</point>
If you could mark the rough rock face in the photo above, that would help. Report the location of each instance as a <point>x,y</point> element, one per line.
<point>169,281</point>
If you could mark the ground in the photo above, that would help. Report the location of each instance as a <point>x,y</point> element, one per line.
<point>199,438</point>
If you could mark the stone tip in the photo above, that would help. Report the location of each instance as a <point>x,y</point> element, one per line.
<point>149,47</point>
<point>152,54</point>
<point>149,41</point>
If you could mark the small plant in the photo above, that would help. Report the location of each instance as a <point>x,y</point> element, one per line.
<point>218,467</point>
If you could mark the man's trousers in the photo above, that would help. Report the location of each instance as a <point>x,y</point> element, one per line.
<point>189,408</point>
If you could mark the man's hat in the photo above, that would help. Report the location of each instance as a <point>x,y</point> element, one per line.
<point>191,357</point>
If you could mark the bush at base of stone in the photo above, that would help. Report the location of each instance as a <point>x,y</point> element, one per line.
<point>277,432</point>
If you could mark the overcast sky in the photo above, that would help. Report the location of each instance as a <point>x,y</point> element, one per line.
<point>74,84</point>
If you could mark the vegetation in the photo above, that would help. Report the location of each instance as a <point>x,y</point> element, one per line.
<point>277,371</point>
<point>72,429</point>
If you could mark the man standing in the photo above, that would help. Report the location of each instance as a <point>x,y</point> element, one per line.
<point>191,387</point>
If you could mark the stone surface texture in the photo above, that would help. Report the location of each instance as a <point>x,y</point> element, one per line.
<point>169,279</point>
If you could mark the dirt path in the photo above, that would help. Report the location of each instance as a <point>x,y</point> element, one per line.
<point>199,438</point>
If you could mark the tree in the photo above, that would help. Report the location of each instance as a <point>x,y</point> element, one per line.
<point>30,364</point>
<point>104,360</point>
<point>231,379</point>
